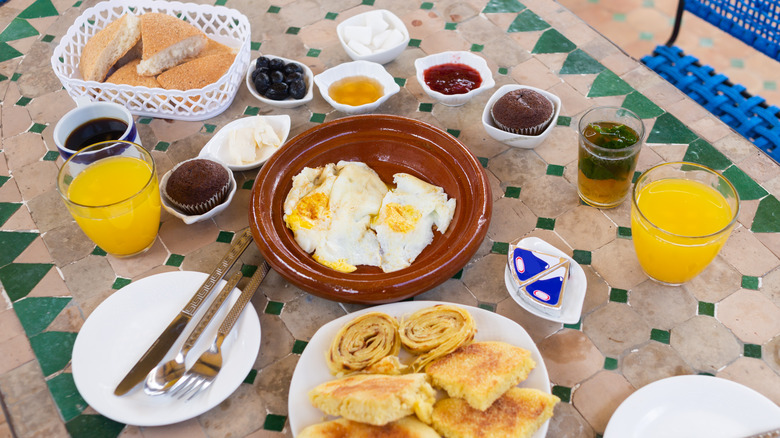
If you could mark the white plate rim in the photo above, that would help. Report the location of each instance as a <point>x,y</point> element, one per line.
<point>114,321</point>
<point>653,402</point>
<point>312,370</point>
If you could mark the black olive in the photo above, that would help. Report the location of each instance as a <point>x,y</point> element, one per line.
<point>276,64</point>
<point>257,71</point>
<point>262,82</point>
<point>262,62</point>
<point>276,76</point>
<point>292,77</point>
<point>277,91</point>
<point>298,89</point>
<point>292,68</point>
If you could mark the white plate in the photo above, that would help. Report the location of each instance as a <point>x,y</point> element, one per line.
<point>692,407</point>
<point>217,149</point>
<point>574,295</point>
<point>312,370</point>
<point>123,327</point>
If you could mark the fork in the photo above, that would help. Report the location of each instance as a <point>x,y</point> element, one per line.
<point>208,365</point>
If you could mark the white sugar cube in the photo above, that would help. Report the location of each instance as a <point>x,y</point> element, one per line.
<point>395,38</point>
<point>379,39</point>
<point>359,48</point>
<point>361,34</point>
<point>376,21</point>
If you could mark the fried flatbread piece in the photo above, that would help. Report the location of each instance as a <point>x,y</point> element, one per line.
<point>128,75</point>
<point>108,46</point>
<point>407,427</point>
<point>166,42</point>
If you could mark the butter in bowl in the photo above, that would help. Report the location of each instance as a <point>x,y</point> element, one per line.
<point>248,142</point>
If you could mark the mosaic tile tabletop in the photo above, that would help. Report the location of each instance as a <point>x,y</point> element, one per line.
<point>633,331</point>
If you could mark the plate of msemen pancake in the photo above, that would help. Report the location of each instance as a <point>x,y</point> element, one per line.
<point>312,368</point>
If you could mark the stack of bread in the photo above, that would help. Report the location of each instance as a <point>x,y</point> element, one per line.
<point>479,379</point>
<point>154,50</point>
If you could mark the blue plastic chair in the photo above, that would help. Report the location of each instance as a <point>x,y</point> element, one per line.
<point>755,22</point>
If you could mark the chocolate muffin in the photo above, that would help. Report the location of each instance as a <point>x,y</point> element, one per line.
<point>522,111</point>
<point>196,186</point>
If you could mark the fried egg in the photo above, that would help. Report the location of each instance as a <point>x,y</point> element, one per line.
<point>404,225</point>
<point>306,208</point>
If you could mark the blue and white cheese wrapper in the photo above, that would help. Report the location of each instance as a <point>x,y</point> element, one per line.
<point>540,278</point>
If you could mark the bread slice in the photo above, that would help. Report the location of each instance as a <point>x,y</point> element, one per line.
<point>517,414</point>
<point>376,399</point>
<point>196,73</point>
<point>407,427</point>
<point>128,75</point>
<point>214,48</point>
<point>107,46</point>
<point>481,372</point>
<point>167,41</point>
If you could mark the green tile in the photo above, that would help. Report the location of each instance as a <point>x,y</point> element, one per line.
<point>458,275</point>
<point>274,308</point>
<point>39,9</point>
<point>15,77</point>
<point>425,107</point>
<point>51,156</point>
<point>483,161</point>
<point>220,2</point>
<point>3,77</point>
<point>562,392</point>
<point>77,4</point>
<point>145,120</point>
<point>20,278</point>
<point>500,248</point>
<point>701,152</point>
<point>250,377</point>
<point>121,282</point>
<point>37,128</point>
<point>752,350</point>
<point>618,17</point>
<point>564,121</point>
<point>248,184</point>
<point>618,295</point>
<point>400,81</point>
<point>367,2</point>
<point>737,63</point>
<point>274,9</point>
<point>454,132</point>
<point>98,251</point>
<point>646,36</point>
<point>450,26</point>
<point>527,21</point>
<point>426,5</point>
<point>579,63</point>
<point>91,426</point>
<point>770,85</point>
<point>553,41</point>
<point>555,169</point>
<point>225,236</point>
<point>668,129</point>
<point>174,260</point>
<point>496,6</point>
<point>749,282</point>
<point>255,45</point>
<point>53,350</point>
<point>610,363</point>
<point>7,209</point>
<point>7,52</point>
<point>414,42</point>
<point>274,422</point>
<point>37,313</point>
<point>706,309</point>
<point>14,243</point>
<point>706,42</point>
<point>641,105</point>
<point>248,270</point>
<point>331,15</point>
<point>747,188</point>
<point>3,179</point>
<point>299,346</point>
<point>576,326</point>
<point>503,71</point>
<point>636,176</point>
<point>292,30</point>
<point>23,101</point>
<point>476,48</point>
<point>767,218</point>
<point>317,118</point>
<point>581,257</point>
<point>209,128</point>
<point>251,111</point>
<point>624,232</point>
<point>66,396</point>
<point>608,83</point>
<point>313,53</point>
<point>162,146</point>
<point>545,223</point>
<point>18,29</point>
<point>661,336</point>
<point>490,307</point>
<point>512,192</point>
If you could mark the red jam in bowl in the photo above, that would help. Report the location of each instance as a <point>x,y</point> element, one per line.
<point>452,78</point>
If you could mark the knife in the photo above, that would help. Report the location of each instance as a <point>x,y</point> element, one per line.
<point>168,337</point>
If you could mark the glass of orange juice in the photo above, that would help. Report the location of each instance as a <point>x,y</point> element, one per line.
<point>681,215</point>
<point>112,192</point>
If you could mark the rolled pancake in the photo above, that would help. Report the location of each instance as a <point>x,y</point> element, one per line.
<point>367,343</point>
<point>435,331</point>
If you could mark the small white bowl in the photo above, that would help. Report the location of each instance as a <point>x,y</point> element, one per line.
<point>381,56</point>
<point>454,57</point>
<point>356,68</point>
<point>217,148</point>
<point>289,102</point>
<point>191,219</point>
<point>519,140</point>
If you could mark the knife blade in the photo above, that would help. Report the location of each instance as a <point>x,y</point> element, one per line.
<point>168,337</point>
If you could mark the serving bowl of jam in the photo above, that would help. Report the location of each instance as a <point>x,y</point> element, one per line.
<point>356,87</point>
<point>454,77</point>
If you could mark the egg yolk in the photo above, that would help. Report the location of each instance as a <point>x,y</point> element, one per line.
<point>401,218</point>
<point>340,265</point>
<point>308,211</point>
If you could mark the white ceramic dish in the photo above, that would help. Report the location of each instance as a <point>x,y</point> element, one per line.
<point>356,68</point>
<point>454,57</point>
<point>217,147</point>
<point>381,56</point>
<point>519,140</point>
<point>574,295</point>
<point>191,219</point>
<point>693,407</point>
<point>122,327</point>
<point>289,102</point>
<point>312,370</point>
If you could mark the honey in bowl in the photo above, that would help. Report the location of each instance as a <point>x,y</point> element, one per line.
<point>356,90</point>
